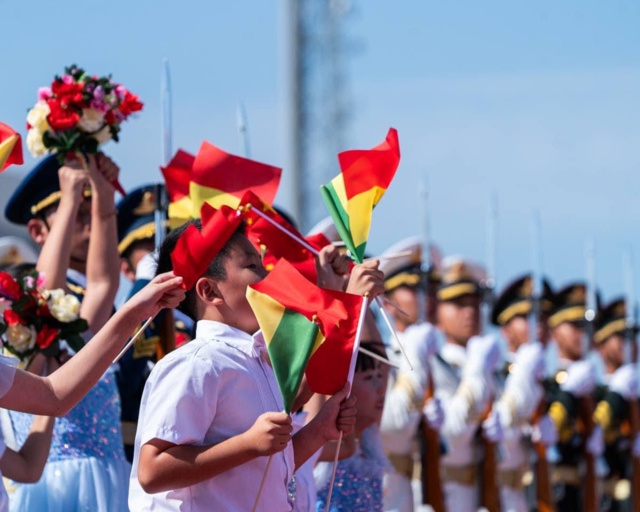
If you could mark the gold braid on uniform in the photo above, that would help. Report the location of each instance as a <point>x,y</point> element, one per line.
<point>603,416</point>
<point>560,416</point>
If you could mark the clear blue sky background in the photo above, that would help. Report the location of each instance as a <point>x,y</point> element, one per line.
<point>538,102</point>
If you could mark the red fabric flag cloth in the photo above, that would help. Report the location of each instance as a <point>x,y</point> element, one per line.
<point>337,314</point>
<point>195,250</point>
<point>220,178</point>
<point>10,147</point>
<point>365,169</point>
<point>177,175</point>
<point>273,243</point>
<point>177,178</point>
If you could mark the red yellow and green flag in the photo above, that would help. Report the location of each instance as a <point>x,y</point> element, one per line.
<point>352,195</point>
<point>307,329</point>
<point>215,177</point>
<point>10,147</point>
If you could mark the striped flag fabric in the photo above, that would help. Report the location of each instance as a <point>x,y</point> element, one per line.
<point>177,178</point>
<point>10,147</point>
<point>351,196</point>
<point>219,178</point>
<point>307,329</point>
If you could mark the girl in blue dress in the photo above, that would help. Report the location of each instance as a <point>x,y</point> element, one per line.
<point>358,481</point>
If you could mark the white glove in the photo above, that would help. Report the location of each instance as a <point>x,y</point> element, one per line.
<point>529,361</point>
<point>147,266</point>
<point>483,354</point>
<point>544,431</point>
<point>492,429</point>
<point>434,413</point>
<point>635,447</point>
<point>595,443</point>
<point>581,378</point>
<point>422,338</point>
<point>624,381</point>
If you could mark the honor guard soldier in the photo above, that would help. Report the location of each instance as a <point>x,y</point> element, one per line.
<point>574,381</point>
<point>615,398</point>
<point>405,400</point>
<point>523,373</point>
<point>136,243</point>
<point>463,374</point>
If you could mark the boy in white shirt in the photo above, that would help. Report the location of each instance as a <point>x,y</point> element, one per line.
<point>211,412</point>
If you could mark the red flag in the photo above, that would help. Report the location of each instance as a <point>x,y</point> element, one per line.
<point>220,178</point>
<point>10,147</point>
<point>273,243</point>
<point>195,250</point>
<point>337,314</point>
<point>177,175</point>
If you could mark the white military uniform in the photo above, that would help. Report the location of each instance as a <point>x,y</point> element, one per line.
<point>402,414</point>
<point>516,407</point>
<point>466,397</point>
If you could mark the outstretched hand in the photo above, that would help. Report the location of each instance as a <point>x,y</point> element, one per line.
<point>164,291</point>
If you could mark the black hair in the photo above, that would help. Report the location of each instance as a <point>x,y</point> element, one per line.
<point>365,362</point>
<point>215,269</point>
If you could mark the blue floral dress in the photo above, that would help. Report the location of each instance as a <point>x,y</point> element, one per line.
<point>86,470</point>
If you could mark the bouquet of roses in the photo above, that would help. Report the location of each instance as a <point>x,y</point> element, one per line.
<point>34,321</point>
<point>78,113</point>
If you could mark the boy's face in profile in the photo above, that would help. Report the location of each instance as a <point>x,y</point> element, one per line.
<point>243,267</point>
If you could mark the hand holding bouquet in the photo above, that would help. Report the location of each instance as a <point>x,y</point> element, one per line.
<point>36,321</point>
<point>77,114</point>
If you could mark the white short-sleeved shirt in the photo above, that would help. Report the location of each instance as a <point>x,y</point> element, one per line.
<point>7,373</point>
<point>209,390</point>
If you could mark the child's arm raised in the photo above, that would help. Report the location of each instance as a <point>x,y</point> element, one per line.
<point>56,394</point>
<point>163,465</point>
<point>338,414</point>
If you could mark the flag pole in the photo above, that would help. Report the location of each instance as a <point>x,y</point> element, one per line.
<point>134,338</point>
<point>352,369</point>
<point>264,479</point>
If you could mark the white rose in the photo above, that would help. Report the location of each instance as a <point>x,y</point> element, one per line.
<point>103,135</point>
<point>37,116</point>
<point>63,307</point>
<point>91,120</point>
<point>34,143</point>
<point>21,337</point>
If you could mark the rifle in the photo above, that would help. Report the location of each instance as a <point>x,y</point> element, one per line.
<point>490,487</point>
<point>166,327</point>
<point>543,480</point>
<point>432,493</point>
<point>634,407</point>
<point>587,406</point>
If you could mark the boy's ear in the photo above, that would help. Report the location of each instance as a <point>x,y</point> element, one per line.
<point>208,291</point>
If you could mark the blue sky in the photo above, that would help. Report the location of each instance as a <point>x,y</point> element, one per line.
<point>537,102</point>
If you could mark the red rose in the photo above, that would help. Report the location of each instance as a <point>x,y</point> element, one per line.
<point>130,104</point>
<point>61,118</point>
<point>46,336</point>
<point>12,318</point>
<point>9,288</point>
<point>67,94</point>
